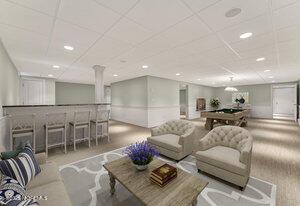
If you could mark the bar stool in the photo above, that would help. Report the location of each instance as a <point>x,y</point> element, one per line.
<point>22,126</point>
<point>102,118</point>
<point>56,122</point>
<point>81,121</point>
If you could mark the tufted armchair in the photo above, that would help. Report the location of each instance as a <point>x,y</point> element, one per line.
<point>225,152</point>
<point>174,138</point>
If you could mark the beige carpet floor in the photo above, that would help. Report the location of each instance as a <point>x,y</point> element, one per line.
<point>276,152</point>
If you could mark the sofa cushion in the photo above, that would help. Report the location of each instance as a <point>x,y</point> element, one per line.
<point>22,168</point>
<point>55,193</point>
<point>49,174</point>
<point>223,157</point>
<point>168,141</point>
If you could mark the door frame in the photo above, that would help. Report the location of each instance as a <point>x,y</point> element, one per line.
<point>293,85</point>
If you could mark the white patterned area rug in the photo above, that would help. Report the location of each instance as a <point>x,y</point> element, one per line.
<point>87,183</point>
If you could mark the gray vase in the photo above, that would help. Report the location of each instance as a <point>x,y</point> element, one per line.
<point>141,167</point>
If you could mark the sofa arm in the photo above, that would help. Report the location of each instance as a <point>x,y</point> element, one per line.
<point>204,143</point>
<point>41,158</point>
<point>187,138</point>
<point>246,153</point>
<point>157,131</point>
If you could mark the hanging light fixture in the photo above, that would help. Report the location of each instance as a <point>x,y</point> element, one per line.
<point>231,89</point>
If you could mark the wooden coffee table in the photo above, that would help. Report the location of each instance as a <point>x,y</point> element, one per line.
<point>183,190</point>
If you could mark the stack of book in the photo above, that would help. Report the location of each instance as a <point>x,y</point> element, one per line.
<point>163,175</point>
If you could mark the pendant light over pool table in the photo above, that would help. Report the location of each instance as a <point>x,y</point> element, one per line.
<point>231,89</point>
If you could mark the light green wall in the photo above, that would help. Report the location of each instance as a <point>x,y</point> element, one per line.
<point>9,79</point>
<point>130,93</point>
<point>259,95</point>
<point>182,97</point>
<point>199,91</point>
<point>162,92</point>
<point>70,93</point>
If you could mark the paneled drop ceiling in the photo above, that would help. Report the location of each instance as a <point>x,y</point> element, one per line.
<point>189,37</point>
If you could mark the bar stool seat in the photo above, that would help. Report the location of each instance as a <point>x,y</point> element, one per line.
<point>79,124</point>
<point>22,126</point>
<point>56,122</point>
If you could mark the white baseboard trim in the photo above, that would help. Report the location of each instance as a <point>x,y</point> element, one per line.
<point>145,116</point>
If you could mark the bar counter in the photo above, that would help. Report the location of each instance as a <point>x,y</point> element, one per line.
<point>40,112</point>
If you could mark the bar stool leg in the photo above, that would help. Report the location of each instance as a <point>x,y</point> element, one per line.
<point>74,137</point>
<point>89,134</point>
<point>34,149</point>
<point>108,138</point>
<point>96,133</point>
<point>65,138</point>
<point>46,130</point>
<point>11,141</point>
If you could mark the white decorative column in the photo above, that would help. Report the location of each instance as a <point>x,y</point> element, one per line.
<point>99,86</point>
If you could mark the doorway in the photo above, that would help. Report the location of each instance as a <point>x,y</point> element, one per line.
<point>183,101</point>
<point>285,102</point>
<point>32,91</point>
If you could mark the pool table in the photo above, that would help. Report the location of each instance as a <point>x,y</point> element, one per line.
<point>225,116</point>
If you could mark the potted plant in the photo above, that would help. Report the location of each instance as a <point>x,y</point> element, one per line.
<point>141,154</point>
<point>215,103</point>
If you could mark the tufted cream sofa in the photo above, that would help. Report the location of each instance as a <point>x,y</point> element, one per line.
<point>225,152</point>
<point>174,138</point>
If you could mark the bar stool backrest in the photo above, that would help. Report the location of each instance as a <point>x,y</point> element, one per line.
<point>22,122</point>
<point>102,115</point>
<point>56,119</point>
<point>82,117</point>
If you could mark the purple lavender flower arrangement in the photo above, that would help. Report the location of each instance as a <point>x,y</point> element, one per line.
<point>141,153</point>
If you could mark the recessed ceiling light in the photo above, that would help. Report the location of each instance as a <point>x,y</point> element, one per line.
<point>55,66</point>
<point>260,59</point>
<point>233,12</point>
<point>271,77</point>
<point>267,70</point>
<point>115,75</point>
<point>50,75</point>
<point>177,74</point>
<point>70,48</point>
<point>198,79</point>
<point>273,81</point>
<point>145,66</point>
<point>246,35</point>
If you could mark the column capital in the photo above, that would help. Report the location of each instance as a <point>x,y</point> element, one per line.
<point>99,67</point>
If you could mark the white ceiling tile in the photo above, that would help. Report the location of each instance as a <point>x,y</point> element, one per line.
<point>287,16</point>
<point>188,30</point>
<point>288,33</point>
<point>117,5</point>
<point>45,6</point>
<point>88,14</point>
<point>197,5</point>
<point>254,43</point>
<point>69,34</point>
<point>214,16</point>
<point>18,16</point>
<point>276,4</point>
<point>61,57</point>
<point>257,26</point>
<point>203,44</point>
<point>104,50</point>
<point>129,31</point>
<point>157,15</point>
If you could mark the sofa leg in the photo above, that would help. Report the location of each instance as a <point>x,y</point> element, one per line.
<point>242,188</point>
<point>199,170</point>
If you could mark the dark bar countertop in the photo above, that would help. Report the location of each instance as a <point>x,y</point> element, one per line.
<point>54,105</point>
